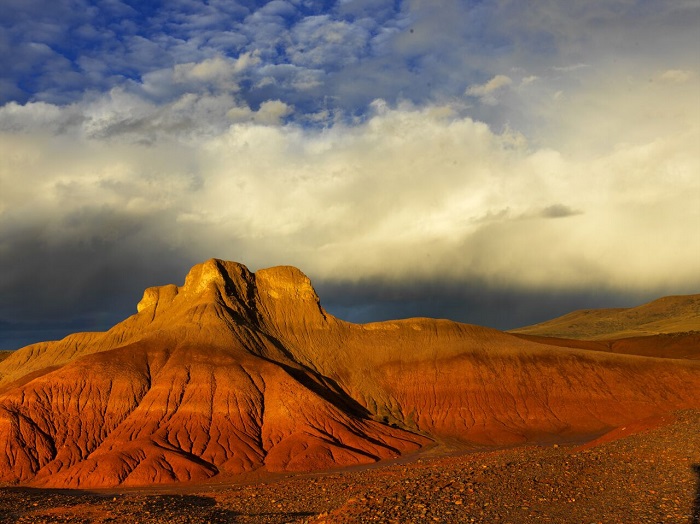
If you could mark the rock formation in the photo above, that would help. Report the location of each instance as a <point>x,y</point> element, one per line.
<point>236,371</point>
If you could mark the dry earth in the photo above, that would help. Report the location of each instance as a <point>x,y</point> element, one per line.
<point>646,475</point>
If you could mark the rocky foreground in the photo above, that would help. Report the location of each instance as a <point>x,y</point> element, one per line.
<point>647,473</point>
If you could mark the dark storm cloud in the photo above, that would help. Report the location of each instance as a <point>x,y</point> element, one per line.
<point>471,302</point>
<point>559,211</point>
<point>87,281</point>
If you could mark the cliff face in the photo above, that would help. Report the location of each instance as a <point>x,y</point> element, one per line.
<point>236,371</point>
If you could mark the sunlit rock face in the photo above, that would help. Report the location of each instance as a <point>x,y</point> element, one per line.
<point>238,371</point>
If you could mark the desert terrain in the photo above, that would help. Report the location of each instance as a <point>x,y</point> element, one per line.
<point>237,398</point>
<point>667,315</point>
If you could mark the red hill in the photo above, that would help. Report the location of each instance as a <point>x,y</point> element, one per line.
<point>237,371</point>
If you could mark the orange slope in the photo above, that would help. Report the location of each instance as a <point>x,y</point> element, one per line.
<point>236,371</point>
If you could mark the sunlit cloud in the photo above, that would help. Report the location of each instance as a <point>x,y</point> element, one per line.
<point>504,146</point>
<point>677,76</point>
<point>365,200</point>
<point>487,92</point>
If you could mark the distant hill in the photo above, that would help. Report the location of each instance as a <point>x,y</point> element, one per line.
<point>673,314</point>
<point>4,354</point>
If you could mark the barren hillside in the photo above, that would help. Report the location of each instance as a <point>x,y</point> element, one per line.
<point>674,314</point>
<point>236,372</point>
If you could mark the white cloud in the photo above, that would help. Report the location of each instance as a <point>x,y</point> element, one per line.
<point>270,112</point>
<point>218,74</point>
<point>321,42</point>
<point>487,91</point>
<point>413,191</point>
<point>289,77</point>
<point>570,68</point>
<point>210,70</point>
<point>529,80</point>
<point>215,70</point>
<point>38,117</point>
<point>277,8</point>
<point>679,76</point>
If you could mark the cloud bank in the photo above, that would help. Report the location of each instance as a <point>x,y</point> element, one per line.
<point>406,170</point>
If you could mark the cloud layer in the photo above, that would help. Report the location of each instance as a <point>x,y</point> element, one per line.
<point>399,154</point>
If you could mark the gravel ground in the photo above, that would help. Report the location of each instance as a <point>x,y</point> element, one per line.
<point>649,477</point>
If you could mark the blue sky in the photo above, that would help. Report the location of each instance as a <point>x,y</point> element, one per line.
<point>493,162</point>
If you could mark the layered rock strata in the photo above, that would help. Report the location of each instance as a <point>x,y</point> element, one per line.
<point>236,371</point>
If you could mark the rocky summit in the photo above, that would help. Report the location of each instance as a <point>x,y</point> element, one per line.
<point>236,373</point>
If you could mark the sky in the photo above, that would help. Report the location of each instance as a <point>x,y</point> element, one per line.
<point>493,162</point>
